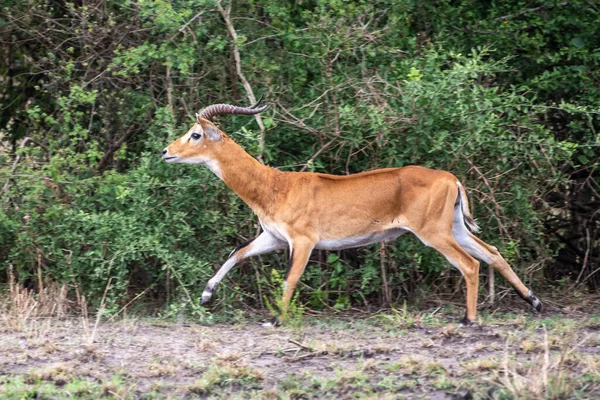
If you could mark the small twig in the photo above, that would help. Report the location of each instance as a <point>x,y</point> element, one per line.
<point>190,21</point>
<point>314,156</point>
<point>39,275</point>
<point>491,284</point>
<point>309,355</point>
<point>99,314</point>
<point>586,257</point>
<point>305,347</point>
<point>108,155</point>
<point>127,305</point>
<point>529,10</point>
<point>492,194</point>
<point>384,282</point>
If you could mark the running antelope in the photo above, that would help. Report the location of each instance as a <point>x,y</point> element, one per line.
<point>304,211</point>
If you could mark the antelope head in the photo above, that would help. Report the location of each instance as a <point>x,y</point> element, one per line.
<point>203,142</point>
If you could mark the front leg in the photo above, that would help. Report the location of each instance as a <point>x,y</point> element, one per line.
<point>264,243</point>
<point>300,252</point>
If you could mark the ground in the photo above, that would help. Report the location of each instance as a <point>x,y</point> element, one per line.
<point>390,354</point>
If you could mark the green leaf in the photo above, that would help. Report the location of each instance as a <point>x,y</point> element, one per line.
<point>578,42</point>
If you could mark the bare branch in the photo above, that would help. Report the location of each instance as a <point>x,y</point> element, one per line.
<point>108,155</point>
<point>225,13</point>
<point>529,10</point>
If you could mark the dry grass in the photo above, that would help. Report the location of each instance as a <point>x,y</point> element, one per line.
<point>412,365</point>
<point>94,357</point>
<point>161,368</point>
<point>548,377</point>
<point>59,374</point>
<point>481,365</point>
<point>223,374</point>
<point>33,312</point>
<point>25,308</point>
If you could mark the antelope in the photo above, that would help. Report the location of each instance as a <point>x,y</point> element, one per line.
<point>303,211</point>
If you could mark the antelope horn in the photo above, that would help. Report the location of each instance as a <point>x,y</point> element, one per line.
<point>253,106</point>
<point>218,109</point>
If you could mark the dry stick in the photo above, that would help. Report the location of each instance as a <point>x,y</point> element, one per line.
<point>39,276</point>
<point>225,13</point>
<point>336,113</point>
<point>299,123</point>
<point>305,347</point>
<point>322,149</point>
<point>491,284</point>
<point>258,285</point>
<point>530,10</point>
<point>257,275</point>
<point>77,294</point>
<point>99,314</point>
<point>187,293</point>
<point>586,257</point>
<point>492,194</point>
<point>84,316</point>
<point>168,284</point>
<point>190,21</point>
<point>127,305</point>
<point>108,155</point>
<point>308,355</point>
<point>386,289</point>
<point>588,277</point>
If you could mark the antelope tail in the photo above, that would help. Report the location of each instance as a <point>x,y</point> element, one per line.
<point>464,205</point>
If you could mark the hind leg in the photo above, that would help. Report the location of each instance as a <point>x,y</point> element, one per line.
<point>464,262</point>
<point>490,255</point>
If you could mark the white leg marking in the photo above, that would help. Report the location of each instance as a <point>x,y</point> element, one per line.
<point>264,243</point>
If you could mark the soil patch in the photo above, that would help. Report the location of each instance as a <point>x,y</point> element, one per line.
<point>325,358</point>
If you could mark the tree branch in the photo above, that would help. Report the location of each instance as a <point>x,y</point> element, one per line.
<point>225,13</point>
<point>529,10</point>
<point>108,155</point>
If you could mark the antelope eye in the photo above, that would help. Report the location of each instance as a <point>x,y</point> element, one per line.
<point>195,136</point>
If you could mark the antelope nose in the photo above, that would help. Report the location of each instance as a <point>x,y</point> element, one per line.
<point>164,152</point>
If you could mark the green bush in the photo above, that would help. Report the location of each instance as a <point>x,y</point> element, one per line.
<point>504,96</point>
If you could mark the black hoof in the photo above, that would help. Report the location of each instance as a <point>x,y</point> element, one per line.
<point>204,300</point>
<point>535,302</point>
<point>466,321</point>
<point>274,322</point>
<point>532,300</point>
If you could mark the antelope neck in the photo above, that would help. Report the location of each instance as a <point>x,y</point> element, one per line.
<point>252,181</point>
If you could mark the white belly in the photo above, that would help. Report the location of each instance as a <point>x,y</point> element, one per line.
<point>358,241</point>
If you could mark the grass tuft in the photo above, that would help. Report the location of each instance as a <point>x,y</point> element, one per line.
<point>223,374</point>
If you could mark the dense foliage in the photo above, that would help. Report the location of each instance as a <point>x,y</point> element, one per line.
<point>503,94</point>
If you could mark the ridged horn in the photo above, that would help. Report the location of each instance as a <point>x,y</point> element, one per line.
<point>218,109</point>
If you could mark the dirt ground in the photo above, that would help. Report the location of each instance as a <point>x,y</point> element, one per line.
<point>396,354</point>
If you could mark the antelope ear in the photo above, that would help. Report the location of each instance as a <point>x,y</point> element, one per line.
<point>211,131</point>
